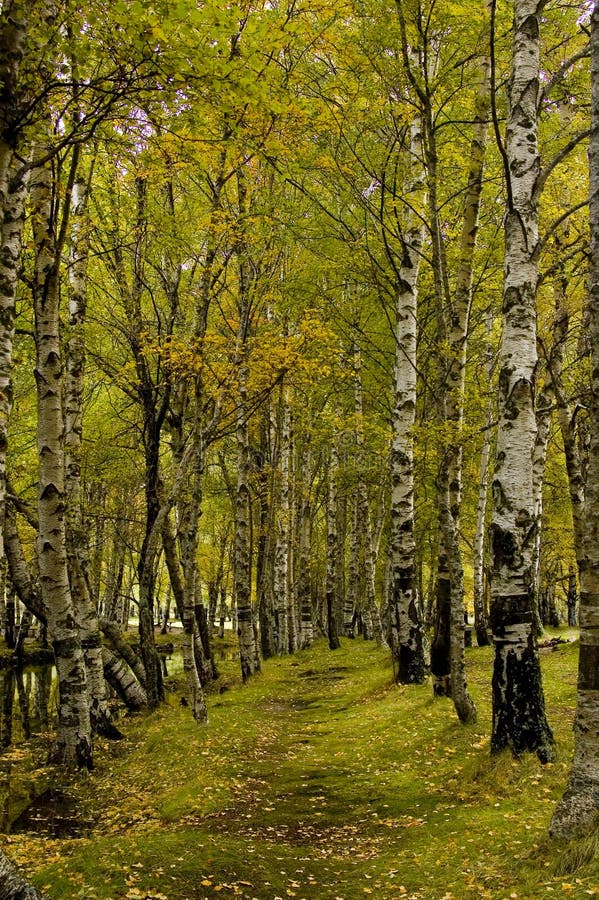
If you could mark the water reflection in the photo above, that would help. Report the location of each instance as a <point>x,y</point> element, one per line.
<point>27,703</point>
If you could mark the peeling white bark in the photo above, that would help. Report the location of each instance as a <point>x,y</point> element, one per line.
<point>519,720</point>
<point>302,580</point>
<point>74,747</point>
<point>371,616</point>
<point>406,631</point>
<point>77,544</point>
<point>10,256</point>
<point>332,546</point>
<point>248,650</point>
<point>281,554</point>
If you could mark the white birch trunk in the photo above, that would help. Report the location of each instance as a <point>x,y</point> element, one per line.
<point>332,546</point>
<point>447,654</point>
<point>303,581</point>
<point>459,325</point>
<point>578,809</point>
<point>371,616</point>
<point>281,555</point>
<point>21,580</point>
<point>248,649</point>
<point>266,463</point>
<point>566,420</point>
<point>406,630</point>
<point>12,884</point>
<point>352,606</point>
<point>292,609</point>
<point>197,666</point>
<point>242,544</point>
<point>341,556</point>
<point>543,416</point>
<point>10,256</point>
<point>519,720</point>
<point>77,546</point>
<point>14,49</point>
<point>74,747</point>
<point>188,487</point>
<point>478,556</point>
<point>123,681</point>
<point>184,598</point>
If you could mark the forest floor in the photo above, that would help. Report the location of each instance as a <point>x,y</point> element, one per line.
<point>320,778</point>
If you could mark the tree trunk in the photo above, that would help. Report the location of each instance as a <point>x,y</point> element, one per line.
<point>12,885</point>
<point>565,417</point>
<point>24,628</point>
<point>183,573</point>
<point>21,581</point>
<point>371,614</point>
<point>114,579</point>
<point>124,649</point>
<point>447,654</point>
<point>8,699</point>
<point>332,580</point>
<point>97,539</point>
<point>543,416</point>
<point>578,809</point>
<point>341,588</point>
<point>458,330</point>
<point>77,548</point>
<point>74,746</point>
<point>407,637</point>
<point>13,202</point>
<point>302,580</point>
<point>519,720</point>
<point>478,563</point>
<point>184,598</point>
<point>248,650</point>
<point>243,547</point>
<point>572,599</point>
<point>122,679</point>
<point>283,526</point>
<point>265,549</point>
<point>352,604</point>
<point>14,50</point>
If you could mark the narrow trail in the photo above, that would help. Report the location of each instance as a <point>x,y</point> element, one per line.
<point>293,795</point>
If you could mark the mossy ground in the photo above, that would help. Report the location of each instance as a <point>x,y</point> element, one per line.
<point>319,779</point>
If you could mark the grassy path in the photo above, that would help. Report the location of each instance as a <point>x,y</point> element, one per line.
<point>319,779</point>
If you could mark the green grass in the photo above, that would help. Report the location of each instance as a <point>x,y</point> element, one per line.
<point>321,779</point>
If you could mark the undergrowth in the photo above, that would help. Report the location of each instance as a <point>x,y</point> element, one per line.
<point>320,778</point>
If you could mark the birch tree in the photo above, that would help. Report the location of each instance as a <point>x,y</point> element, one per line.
<point>302,572</point>
<point>85,604</point>
<point>478,556</point>
<point>332,546</point>
<point>74,745</point>
<point>242,570</point>
<point>371,619</point>
<point>283,531</point>
<point>11,237</point>
<point>15,54</point>
<point>407,637</point>
<point>519,720</point>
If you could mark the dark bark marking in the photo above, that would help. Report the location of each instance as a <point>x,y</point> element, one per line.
<point>504,545</point>
<point>519,721</point>
<point>588,668</point>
